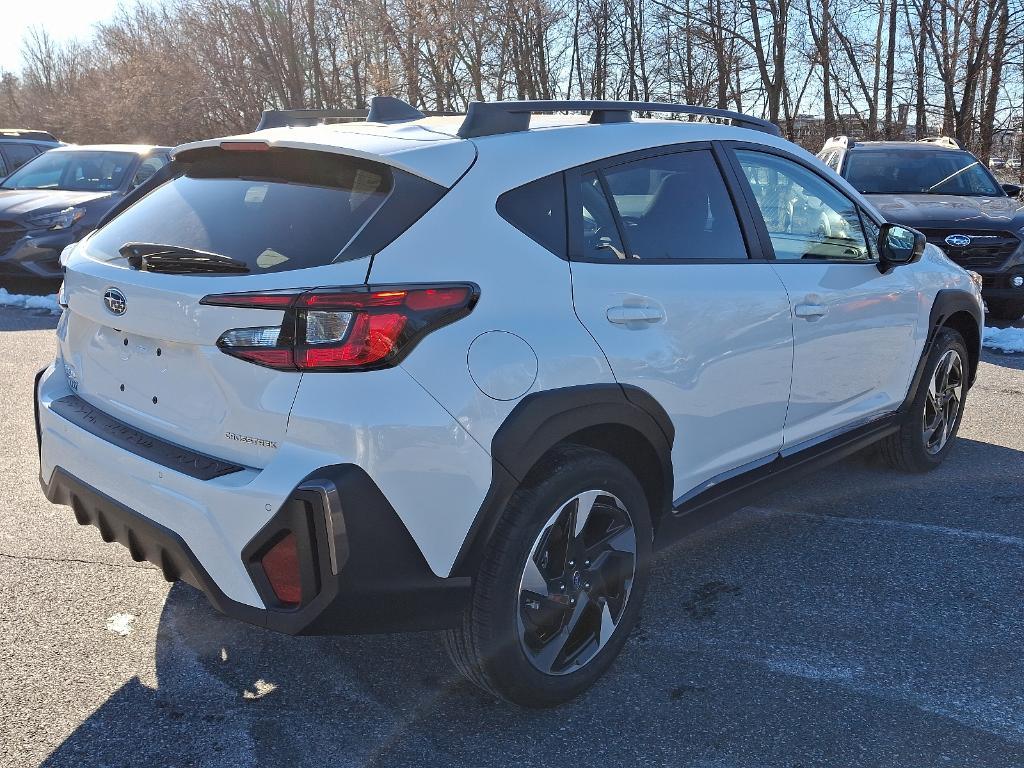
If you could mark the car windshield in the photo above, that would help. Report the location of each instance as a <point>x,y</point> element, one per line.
<point>75,170</point>
<point>919,171</point>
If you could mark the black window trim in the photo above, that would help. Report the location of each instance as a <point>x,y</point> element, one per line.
<point>748,225</point>
<point>730,148</point>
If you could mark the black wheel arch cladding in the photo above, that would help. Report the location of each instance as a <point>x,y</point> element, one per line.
<point>542,420</point>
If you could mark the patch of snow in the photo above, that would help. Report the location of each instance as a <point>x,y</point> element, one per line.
<point>26,301</point>
<point>1004,339</point>
<point>120,624</point>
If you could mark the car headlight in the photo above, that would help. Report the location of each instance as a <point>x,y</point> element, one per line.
<point>975,278</point>
<point>59,220</point>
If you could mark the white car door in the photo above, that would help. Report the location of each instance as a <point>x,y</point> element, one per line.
<point>663,279</point>
<point>854,327</point>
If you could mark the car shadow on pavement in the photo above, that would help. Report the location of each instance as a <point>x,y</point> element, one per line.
<point>1013,360</point>
<point>850,620</point>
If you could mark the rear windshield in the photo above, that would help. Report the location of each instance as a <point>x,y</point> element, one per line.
<point>919,171</point>
<point>274,210</point>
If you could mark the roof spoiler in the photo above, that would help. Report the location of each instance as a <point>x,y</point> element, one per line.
<point>488,118</point>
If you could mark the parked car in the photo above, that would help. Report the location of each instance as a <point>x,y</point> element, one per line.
<point>54,199</point>
<point>468,373</point>
<point>19,145</point>
<point>946,192</point>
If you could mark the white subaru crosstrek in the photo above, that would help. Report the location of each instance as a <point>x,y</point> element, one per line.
<point>468,373</point>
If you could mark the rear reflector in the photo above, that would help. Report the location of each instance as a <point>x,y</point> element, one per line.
<point>343,329</point>
<point>281,565</point>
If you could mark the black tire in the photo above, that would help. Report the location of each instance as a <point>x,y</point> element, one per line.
<point>1006,310</point>
<point>488,648</point>
<point>909,450</point>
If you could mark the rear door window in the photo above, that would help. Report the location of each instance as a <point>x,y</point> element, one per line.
<point>147,168</point>
<point>675,206</point>
<point>273,210</point>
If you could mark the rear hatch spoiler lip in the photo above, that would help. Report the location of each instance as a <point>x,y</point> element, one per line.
<point>436,161</point>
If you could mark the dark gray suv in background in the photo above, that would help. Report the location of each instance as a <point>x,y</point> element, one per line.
<point>941,189</point>
<point>57,198</point>
<point>19,145</point>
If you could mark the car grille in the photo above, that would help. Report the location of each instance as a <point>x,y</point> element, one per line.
<point>10,233</point>
<point>988,248</point>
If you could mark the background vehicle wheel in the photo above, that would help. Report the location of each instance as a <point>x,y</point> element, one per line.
<point>930,426</point>
<point>561,583</point>
<point>1009,310</point>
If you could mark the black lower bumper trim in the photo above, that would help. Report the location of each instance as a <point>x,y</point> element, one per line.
<point>383,584</point>
<point>145,539</point>
<point>113,430</point>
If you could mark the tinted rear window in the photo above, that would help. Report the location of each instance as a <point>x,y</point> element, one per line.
<point>537,210</point>
<point>275,210</point>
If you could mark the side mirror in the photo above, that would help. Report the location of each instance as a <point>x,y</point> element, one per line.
<point>899,245</point>
<point>1012,190</point>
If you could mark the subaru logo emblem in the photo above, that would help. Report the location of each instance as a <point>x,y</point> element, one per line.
<point>114,301</point>
<point>958,241</point>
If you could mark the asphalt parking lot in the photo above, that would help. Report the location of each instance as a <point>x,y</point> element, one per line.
<point>860,618</point>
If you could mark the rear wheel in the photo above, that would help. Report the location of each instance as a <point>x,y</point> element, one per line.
<point>561,584</point>
<point>1007,310</point>
<point>927,432</point>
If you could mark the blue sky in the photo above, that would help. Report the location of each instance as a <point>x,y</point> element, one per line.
<point>64,19</point>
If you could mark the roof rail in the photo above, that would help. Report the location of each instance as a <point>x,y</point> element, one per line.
<point>28,133</point>
<point>943,141</point>
<point>286,118</point>
<point>842,141</point>
<point>488,118</point>
<point>383,109</point>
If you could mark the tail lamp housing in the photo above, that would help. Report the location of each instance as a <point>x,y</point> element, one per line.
<point>358,328</point>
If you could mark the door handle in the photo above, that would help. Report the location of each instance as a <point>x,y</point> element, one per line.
<point>624,315</point>
<point>810,311</point>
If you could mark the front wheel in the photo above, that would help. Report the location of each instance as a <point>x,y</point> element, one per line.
<point>926,434</point>
<point>561,583</point>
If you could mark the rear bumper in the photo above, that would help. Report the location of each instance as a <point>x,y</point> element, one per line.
<point>365,571</point>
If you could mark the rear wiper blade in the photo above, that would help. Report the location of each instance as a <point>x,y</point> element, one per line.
<point>179,260</point>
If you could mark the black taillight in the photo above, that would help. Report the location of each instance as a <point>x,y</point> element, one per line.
<point>343,329</point>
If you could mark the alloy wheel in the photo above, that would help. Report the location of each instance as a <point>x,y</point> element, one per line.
<point>942,404</point>
<point>576,582</point>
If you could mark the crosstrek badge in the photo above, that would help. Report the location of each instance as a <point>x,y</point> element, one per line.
<point>257,441</point>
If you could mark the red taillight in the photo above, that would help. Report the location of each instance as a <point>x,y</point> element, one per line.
<point>343,329</point>
<point>281,565</point>
<point>280,300</point>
